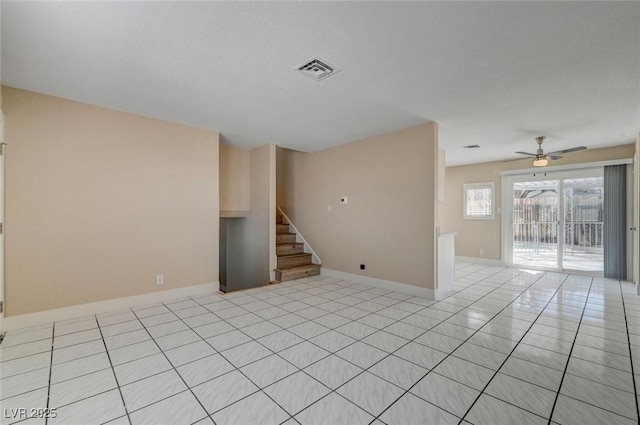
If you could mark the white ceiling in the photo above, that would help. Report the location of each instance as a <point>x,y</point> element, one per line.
<point>490,73</point>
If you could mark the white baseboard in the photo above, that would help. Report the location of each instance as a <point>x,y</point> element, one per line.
<point>80,310</point>
<point>418,291</point>
<point>480,260</point>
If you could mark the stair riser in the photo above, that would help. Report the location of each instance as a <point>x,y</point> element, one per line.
<point>301,260</point>
<point>278,219</point>
<point>297,274</point>
<point>289,249</point>
<point>282,228</point>
<point>286,238</point>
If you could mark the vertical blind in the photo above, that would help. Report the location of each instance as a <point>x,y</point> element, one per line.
<point>615,222</point>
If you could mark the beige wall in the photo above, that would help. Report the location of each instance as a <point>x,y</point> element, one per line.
<point>285,181</point>
<point>474,235</point>
<point>99,202</point>
<point>389,221</point>
<point>249,243</point>
<point>261,235</point>
<point>234,178</point>
<point>282,176</point>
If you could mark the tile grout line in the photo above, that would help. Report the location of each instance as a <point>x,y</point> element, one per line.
<point>633,376</point>
<point>512,351</point>
<point>313,320</point>
<point>328,330</point>
<point>330,353</point>
<point>451,353</point>
<point>308,340</point>
<point>305,340</point>
<point>409,341</point>
<point>23,343</point>
<point>171,311</point>
<point>53,335</point>
<point>177,373</point>
<point>251,338</point>
<point>474,333</point>
<point>151,338</point>
<point>112,367</point>
<point>163,351</point>
<point>66,346</point>
<point>126,410</point>
<point>607,409</point>
<point>564,373</point>
<point>388,354</point>
<point>240,305</point>
<point>236,369</point>
<point>26,355</point>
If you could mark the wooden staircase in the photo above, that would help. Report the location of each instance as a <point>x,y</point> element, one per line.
<point>293,263</point>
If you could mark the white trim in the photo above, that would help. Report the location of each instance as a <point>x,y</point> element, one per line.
<point>299,238</point>
<point>567,167</point>
<point>561,173</point>
<point>2,219</point>
<point>636,216</point>
<point>483,185</point>
<point>381,283</point>
<point>273,258</point>
<point>80,310</point>
<point>506,244</point>
<point>490,261</point>
<point>631,202</point>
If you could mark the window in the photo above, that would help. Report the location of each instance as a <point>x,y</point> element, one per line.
<point>479,201</point>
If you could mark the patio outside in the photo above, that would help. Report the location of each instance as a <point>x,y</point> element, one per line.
<point>536,221</point>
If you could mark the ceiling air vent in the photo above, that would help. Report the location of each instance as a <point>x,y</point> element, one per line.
<point>317,68</point>
<point>472,147</point>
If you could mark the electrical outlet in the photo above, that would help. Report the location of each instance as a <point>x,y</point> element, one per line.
<point>160,279</point>
<point>329,208</point>
<point>481,251</point>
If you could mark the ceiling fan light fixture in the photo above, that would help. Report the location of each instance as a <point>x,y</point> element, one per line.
<point>540,161</point>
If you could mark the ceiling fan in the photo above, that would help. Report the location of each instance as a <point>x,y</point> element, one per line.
<point>541,159</point>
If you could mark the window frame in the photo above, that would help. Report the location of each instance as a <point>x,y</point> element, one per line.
<point>483,185</point>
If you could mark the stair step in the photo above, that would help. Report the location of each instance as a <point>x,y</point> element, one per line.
<point>289,248</point>
<point>298,272</point>
<point>285,261</point>
<point>285,238</point>
<point>282,228</point>
<point>278,219</point>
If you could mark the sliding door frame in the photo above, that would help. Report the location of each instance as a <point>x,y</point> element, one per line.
<point>507,203</point>
<point>557,174</point>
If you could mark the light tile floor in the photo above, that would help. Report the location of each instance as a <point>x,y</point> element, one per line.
<point>508,347</point>
<point>548,258</point>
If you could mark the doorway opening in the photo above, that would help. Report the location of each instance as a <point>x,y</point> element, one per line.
<point>557,220</point>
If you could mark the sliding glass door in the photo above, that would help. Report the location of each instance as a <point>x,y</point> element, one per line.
<point>557,221</point>
<point>535,225</point>
<point>583,224</point>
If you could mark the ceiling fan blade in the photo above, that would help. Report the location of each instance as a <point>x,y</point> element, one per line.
<point>526,153</point>
<point>577,148</point>
<point>516,159</point>
<point>553,157</point>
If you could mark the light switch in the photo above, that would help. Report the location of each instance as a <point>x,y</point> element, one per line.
<point>329,208</point>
